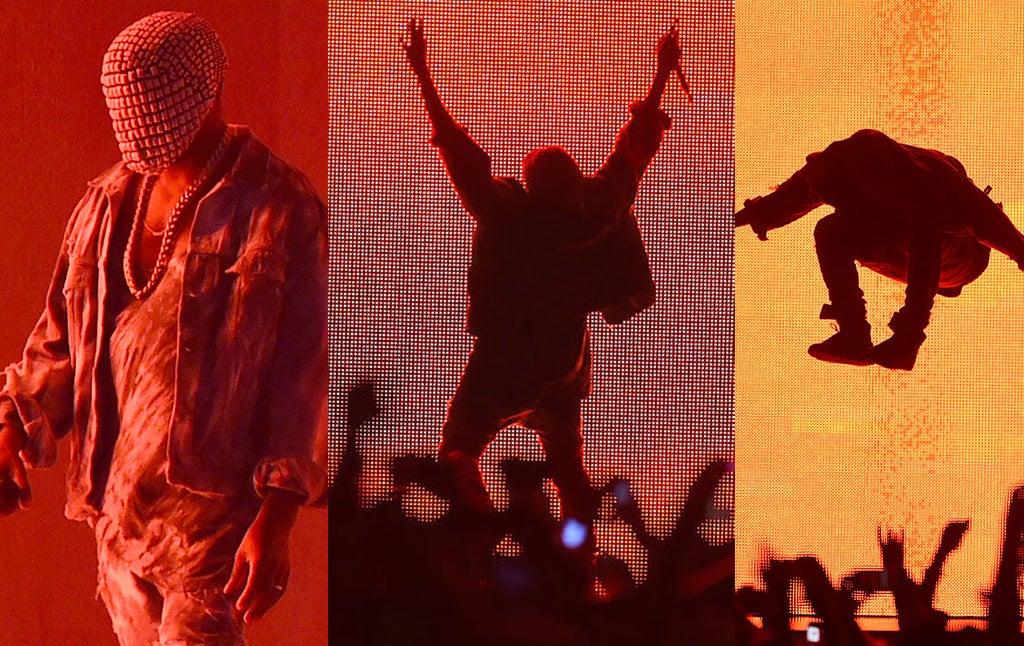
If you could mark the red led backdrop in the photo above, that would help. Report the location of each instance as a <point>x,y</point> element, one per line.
<point>828,453</point>
<point>519,75</point>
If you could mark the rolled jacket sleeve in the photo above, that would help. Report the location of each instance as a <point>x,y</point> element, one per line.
<point>468,167</point>
<point>621,272</point>
<point>792,200</point>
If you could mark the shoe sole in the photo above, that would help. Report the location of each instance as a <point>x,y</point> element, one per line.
<point>824,355</point>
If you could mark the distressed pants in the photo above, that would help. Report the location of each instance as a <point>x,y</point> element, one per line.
<point>144,614</point>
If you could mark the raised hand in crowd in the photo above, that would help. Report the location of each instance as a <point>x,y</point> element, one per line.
<point>1004,612</point>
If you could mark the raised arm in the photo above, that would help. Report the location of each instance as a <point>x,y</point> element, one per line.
<point>468,166</point>
<point>952,537</point>
<point>415,46</point>
<point>668,61</point>
<point>639,139</point>
<point>1005,600</point>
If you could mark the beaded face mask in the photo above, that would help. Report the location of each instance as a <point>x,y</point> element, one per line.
<point>161,76</point>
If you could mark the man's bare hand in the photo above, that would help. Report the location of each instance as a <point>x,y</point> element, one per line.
<point>14,486</point>
<point>953,535</point>
<point>262,562</point>
<point>669,51</point>
<point>415,46</point>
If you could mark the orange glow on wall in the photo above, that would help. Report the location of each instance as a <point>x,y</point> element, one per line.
<point>828,453</point>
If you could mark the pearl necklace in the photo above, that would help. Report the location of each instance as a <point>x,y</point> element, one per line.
<point>169,234</point>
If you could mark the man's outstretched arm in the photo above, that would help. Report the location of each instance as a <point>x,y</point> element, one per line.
<point>639,139</point>
<point>792,200</point>
<point>468,166</point>
<point>668,61</point>
<point>415,46</point>
<point>628,285</point>
<point>855,159</point>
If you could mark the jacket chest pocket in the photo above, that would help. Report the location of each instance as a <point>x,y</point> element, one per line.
<point>203,274</point>
<point>255,309</point>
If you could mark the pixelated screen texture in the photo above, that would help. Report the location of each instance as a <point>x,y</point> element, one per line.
<point>828,454</point>
<point>520,75</point>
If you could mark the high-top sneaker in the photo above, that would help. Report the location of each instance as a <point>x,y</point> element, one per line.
<point>851,344</point>
<point>899,352</point>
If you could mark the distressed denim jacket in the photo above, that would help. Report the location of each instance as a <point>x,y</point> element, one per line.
<point>251,372</point>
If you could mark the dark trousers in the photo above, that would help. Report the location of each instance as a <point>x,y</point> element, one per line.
<point>927,262</point>
<point>498,390</point>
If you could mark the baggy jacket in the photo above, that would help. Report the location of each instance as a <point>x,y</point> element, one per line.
<point>251,373</point>
<point>924,189</point>
<point>942,223</point>
<point>514,274</point>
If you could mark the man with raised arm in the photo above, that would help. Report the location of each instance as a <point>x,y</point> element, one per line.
<point>546,251</point>
<point>908,213</point>
<point>182,351</point>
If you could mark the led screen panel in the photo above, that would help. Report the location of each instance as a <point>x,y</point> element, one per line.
<point>829,453</point>
<point>519,75</point>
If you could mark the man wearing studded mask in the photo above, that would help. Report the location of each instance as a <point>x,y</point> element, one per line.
<point>182,351</point>
<point>546,252</point>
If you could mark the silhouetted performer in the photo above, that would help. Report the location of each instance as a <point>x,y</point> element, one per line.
<point>908,213</point>
<point>545,253</point>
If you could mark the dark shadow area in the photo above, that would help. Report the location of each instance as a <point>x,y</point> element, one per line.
<point>910,214</point>
<point>918,619</point>
<point>397,580</point>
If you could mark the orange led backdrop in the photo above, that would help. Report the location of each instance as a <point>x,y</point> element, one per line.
<point>520,75</point>
<point>828,453</point>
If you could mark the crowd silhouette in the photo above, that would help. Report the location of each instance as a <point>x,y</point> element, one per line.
<point>919,621</point>
<point>397,580</point>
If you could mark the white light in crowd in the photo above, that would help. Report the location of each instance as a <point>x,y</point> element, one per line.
<point>573,533</point>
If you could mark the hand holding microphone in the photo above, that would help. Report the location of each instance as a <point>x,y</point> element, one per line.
<point>668,57</point>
